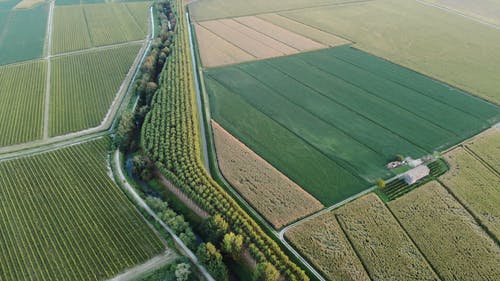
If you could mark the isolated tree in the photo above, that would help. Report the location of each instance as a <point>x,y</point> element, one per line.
<point>400,157</point>
<point>232,245</point>
<point>265,272</point>
<point>381,183</point>
<point>182,272</point>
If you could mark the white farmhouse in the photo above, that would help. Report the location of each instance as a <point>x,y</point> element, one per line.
<point>416,174</point>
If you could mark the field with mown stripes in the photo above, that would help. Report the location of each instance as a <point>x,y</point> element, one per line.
<point>83,87</point>
<point>22,89</point>
<point>63,218</point>
<point>356,110</point>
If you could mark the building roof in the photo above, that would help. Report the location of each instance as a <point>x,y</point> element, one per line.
<point>416,174</point>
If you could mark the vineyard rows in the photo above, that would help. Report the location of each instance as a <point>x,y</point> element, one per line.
<point>70,30</point>
<point>63,218</point>
<point>110,24</point>
<point>22,90</point>
<point>84,85</point>
<point>170,137</point>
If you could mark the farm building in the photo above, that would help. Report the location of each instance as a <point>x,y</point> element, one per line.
<point>415,174</point>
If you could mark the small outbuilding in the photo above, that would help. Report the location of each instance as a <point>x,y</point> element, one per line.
<point>416,174</point>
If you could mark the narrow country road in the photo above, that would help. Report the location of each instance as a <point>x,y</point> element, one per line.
<point>138,199</point>
<point>48,52</point>
<point>155,263</point>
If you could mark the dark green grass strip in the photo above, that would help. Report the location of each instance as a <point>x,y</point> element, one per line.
<point>316,173</point>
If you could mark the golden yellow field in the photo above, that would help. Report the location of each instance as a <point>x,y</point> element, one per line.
<point>475,185</point>
<point>487,146</point>
<point>324,243</point>
<point>271,193</point>
<point>386,250</point>
<point>447,234</point>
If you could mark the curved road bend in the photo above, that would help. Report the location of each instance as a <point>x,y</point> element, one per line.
<point>140,201</point>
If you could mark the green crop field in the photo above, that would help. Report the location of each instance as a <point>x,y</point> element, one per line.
<point>70,31</point>
<point>84,85</point>
<point>63,218</point>
<point>111,23</point>
<point>22,34</point>
<point>22,89</point>
<point>341,103</point>
<point>446,46</point>
<point>447,234</point>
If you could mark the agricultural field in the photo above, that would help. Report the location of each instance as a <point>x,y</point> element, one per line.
<point>309,168</point>
<point>83,87</point>
<point>272,194</point>
<point>140,12</point>
<point>118,28</point>
<point>63,218</point>
<point>22,89</point>
<point>341,102</point>
<point>487,147</point>
<point>485,10</point>
<point>315,34</point>
<point>22,33</point>
<point>385,249</point>
<point>70,31</point>
<point>217,9</point>
<point>475,185</point>
<point>230,41</point>
<point>447,234</point>
<point>446,46</point>
<point>325,245</point>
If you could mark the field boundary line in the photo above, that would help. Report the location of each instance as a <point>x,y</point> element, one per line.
<point>223,39</point>
<point>480,159</point>
<point>89,34</point>
<point>476,219</point>
<point>99,48</point>
<point>459,13</point>
<point>413,242</point>
<point>256,40</point>
<point>274,38</point>
<point>133,18</point>
<point>329,209</point>
<point>352,42</point>
<point>48,52</point>
<point>336,216</point>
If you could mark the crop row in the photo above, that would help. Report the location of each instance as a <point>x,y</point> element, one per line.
<point>84,85</point>
<point>62,218</point>
<point>22,89</point>
<point>170,137</point>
